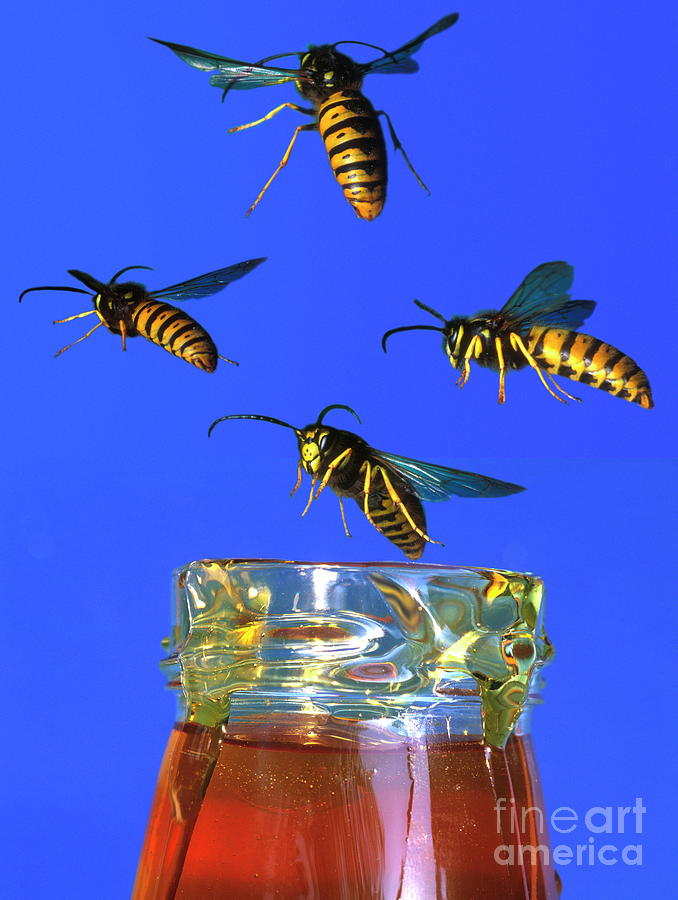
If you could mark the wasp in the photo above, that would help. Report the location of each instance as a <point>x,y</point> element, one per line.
<point>389,489</point>
<point>128,309</point>
<point>537,327</point>
<point>346,120</point>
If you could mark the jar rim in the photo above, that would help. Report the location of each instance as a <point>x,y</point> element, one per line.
<point>352,564</point>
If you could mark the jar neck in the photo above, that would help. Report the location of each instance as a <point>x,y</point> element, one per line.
<point>439,649</point>
<point>327,718</point>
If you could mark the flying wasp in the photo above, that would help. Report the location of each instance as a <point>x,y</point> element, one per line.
<point>389,489</point>
<point>347,121</point>
<point>536,327</point>
<point>129,310</point>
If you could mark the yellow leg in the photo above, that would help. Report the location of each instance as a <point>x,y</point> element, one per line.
<point>393,494</point>
<point>330,469</point>
<point>70,318</point>
<point>273,112</point>
<point>367,484</point>
<point>283,162</point>
<point>225,359</point>
<point>463,378</point>
<point>502,370</point>
<point>472,350</point>
<point>123,333</point>
<point>517,344</point>
<point>561,389</point>
<point>310,496</point>
<point>64,349</point>
<point>343,518</point>
<point>296,486</point>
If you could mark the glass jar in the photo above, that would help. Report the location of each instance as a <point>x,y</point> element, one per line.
<point>350,732</point>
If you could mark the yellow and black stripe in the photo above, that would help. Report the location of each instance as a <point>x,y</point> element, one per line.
<point>589,360</point>
<point>175,331</point>
<point>355,145</point>
<point>391,522</point>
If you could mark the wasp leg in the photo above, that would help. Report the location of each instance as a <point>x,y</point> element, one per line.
<point>226,359</point>
<point>332,466</point>
<point>517,344</point>
<point>70,318</point>
<point>398,146</point>
<point>393,494</point>
<point>310,496</point>
<point>366,493</point>
<point>123,334</point>
<point>343,518</point>
<point>464,377</point>
<point>269,115</point>
<point>562,389</point>
<point>281,165</point>
<point>64,349</point>
<point>502,370</point>
<point>296,486</point>
<point>471,350</point>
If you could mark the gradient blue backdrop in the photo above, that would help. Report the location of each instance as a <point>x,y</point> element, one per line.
<point>542,130</point>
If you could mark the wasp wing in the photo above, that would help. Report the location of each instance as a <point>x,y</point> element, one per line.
<point>231,73</point>
<point>242,77</point>
<point>542,298</point>
<point>400,60</point>
<point>570,315</point>
<point>435,483</point>
<point>207,284</point>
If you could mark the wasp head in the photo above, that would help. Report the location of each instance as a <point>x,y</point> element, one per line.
<point>330,70</point>
<point>113,300</point>
<point>454,334</point>
<point>314,444</point>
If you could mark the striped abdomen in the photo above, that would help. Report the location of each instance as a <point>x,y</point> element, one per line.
<point>355,145</point>
<point>584,358</point>
<point>391,522</point>
<point>175,331</point>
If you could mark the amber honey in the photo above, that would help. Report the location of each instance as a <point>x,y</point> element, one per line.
<point>340,819</point>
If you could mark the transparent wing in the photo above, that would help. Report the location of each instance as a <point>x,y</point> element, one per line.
<point>544,290</point>
<point>434,483</point>
<point>243,78</point>
<point>231,73</point>
<point>570,315</point>
<point>399,61</point>
<point>207,284</point>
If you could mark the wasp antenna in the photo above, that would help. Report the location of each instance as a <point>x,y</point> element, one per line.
<point>337,406</point>
<point>363,44</point>
<point>388,334</point>
<point>127,269</point>
<point>277,56</point>
<point>428,309</point>
<point>259,418</point>
<point>92,283</point>
<point>52,287</point>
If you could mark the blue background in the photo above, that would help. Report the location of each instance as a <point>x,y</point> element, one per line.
<point>543,132</point>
